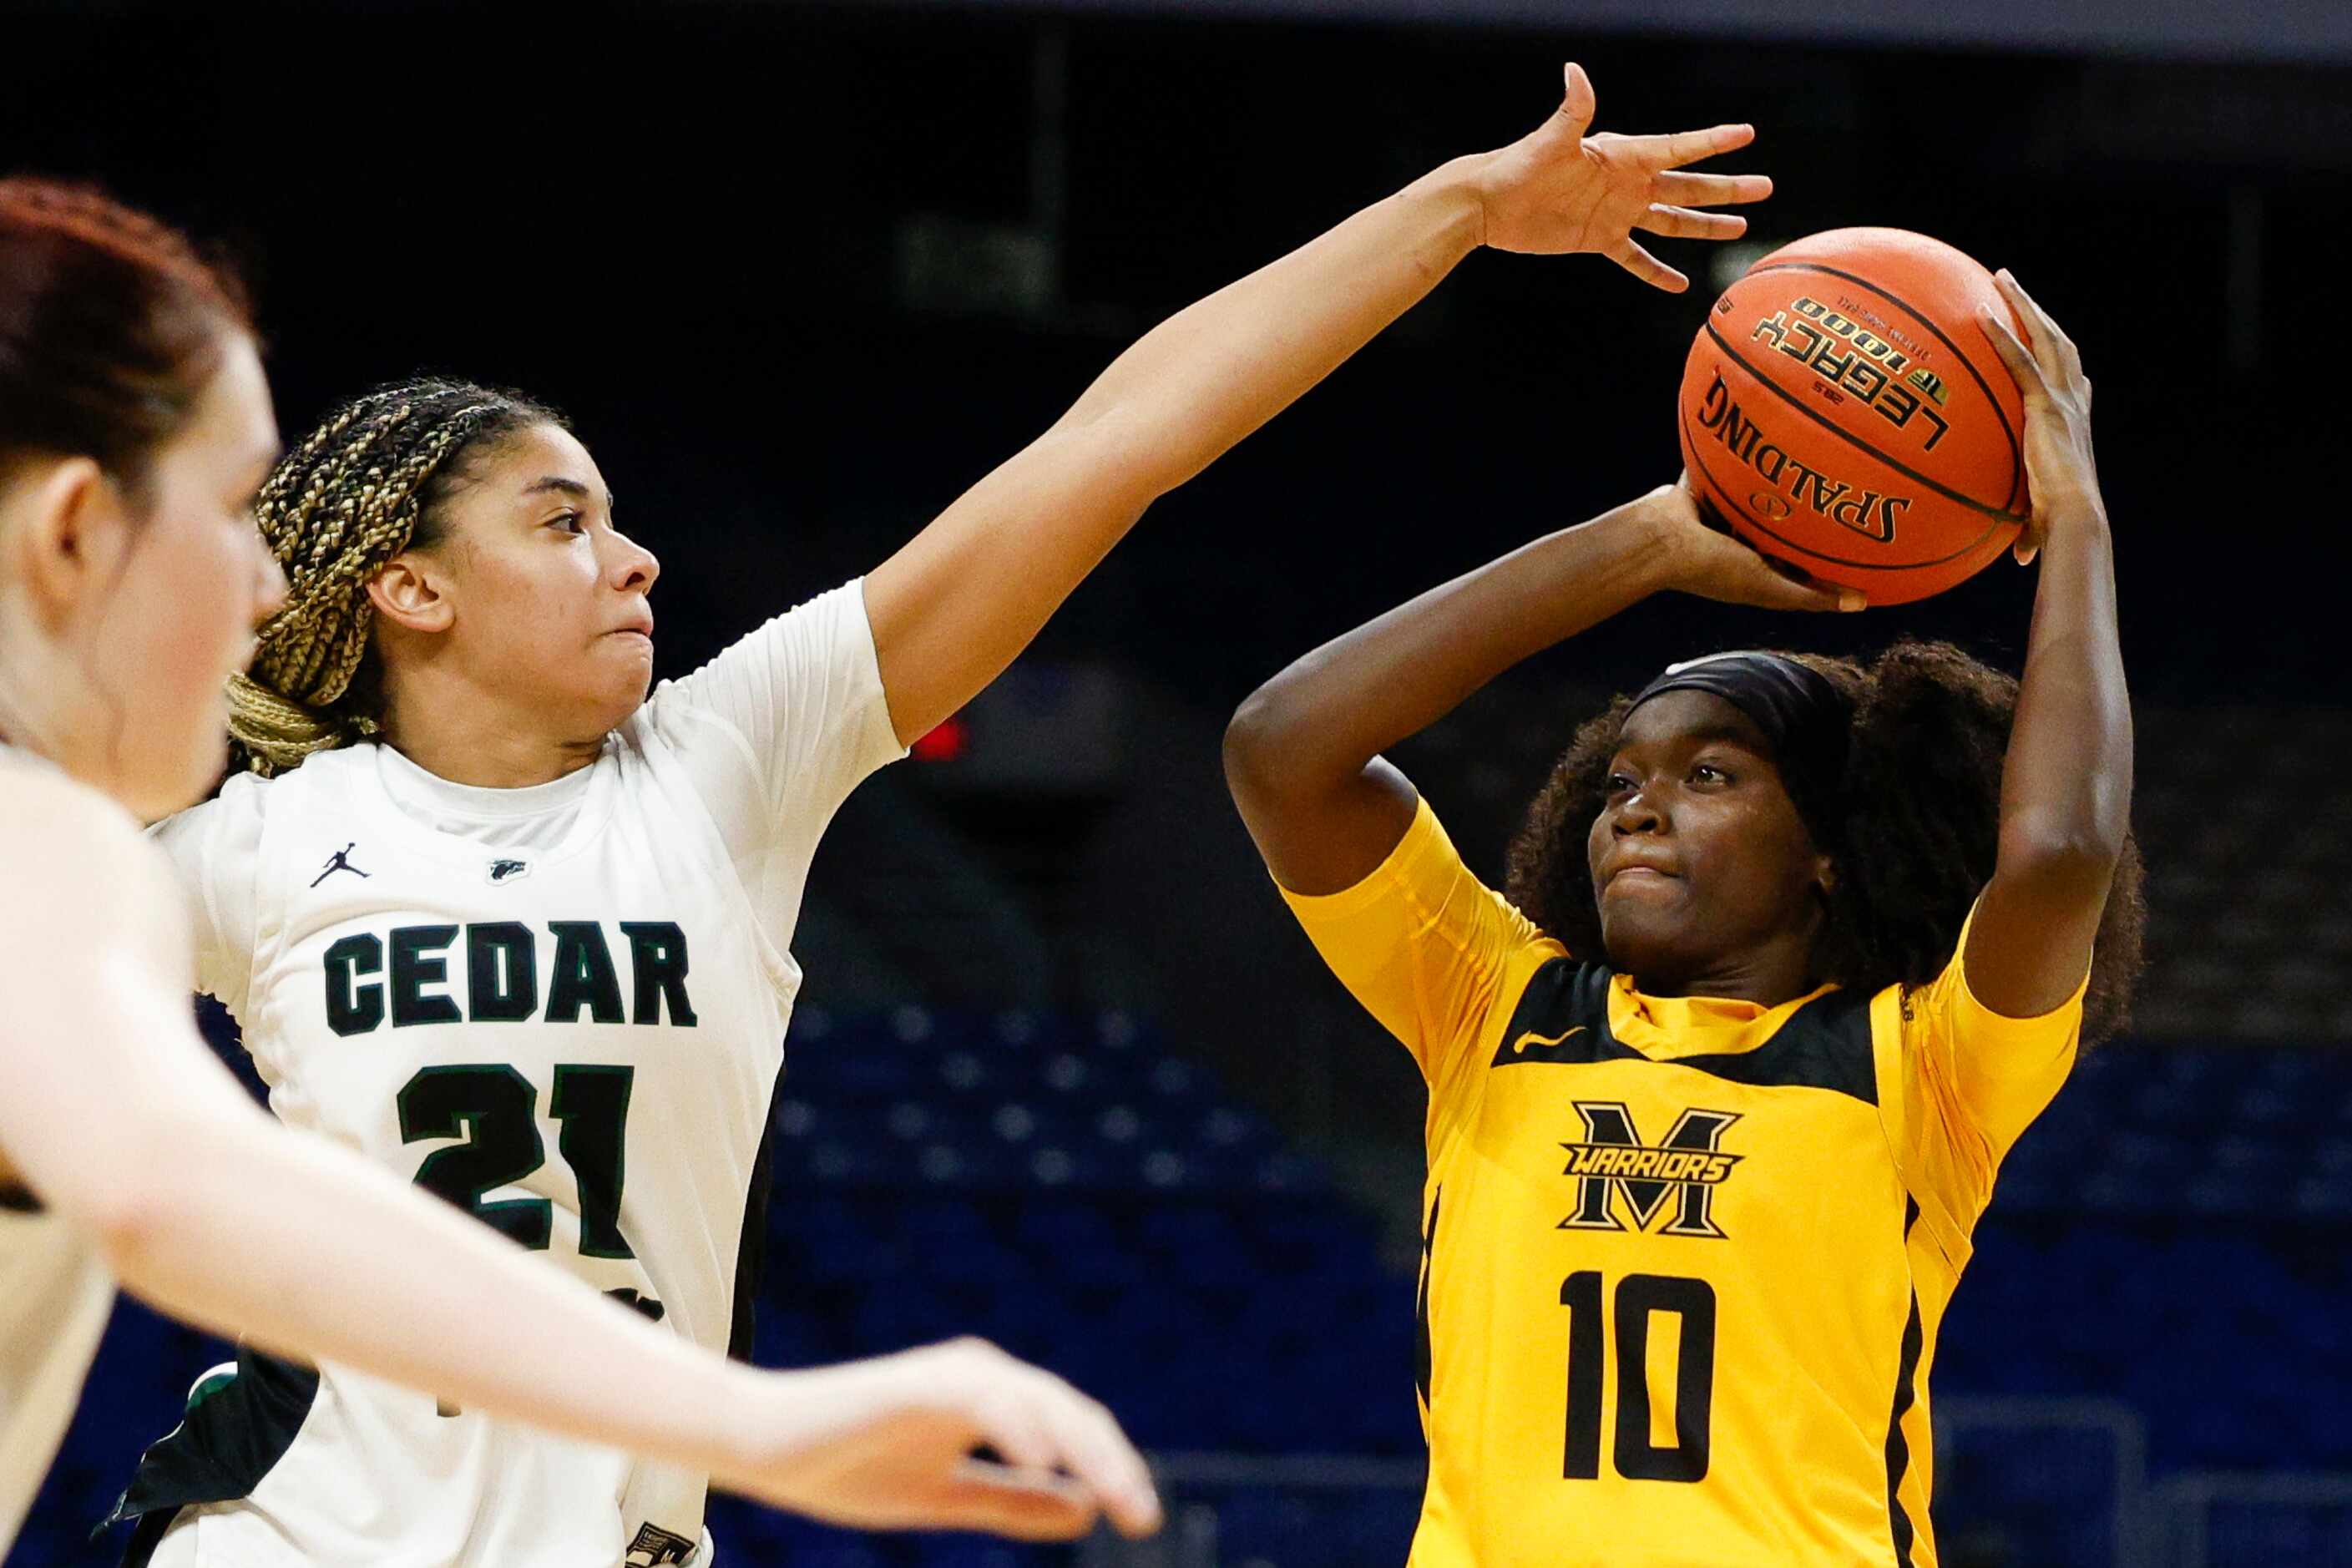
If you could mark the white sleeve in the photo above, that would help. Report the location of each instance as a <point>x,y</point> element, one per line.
<point>215,847</point>
<point>801,709</point>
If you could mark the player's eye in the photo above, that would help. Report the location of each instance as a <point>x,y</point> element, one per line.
<point>1620,785</point>
<point>568,522</point>
<point>1707,773</point>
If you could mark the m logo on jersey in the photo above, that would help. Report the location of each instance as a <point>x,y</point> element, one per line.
<point>1678,1176</point>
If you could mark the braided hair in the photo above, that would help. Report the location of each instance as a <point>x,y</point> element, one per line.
<point>367,484</point>
<point>1913,826</point>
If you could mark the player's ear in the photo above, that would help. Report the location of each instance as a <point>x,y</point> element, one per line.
<point>65,532</point>
<point>405,594</point>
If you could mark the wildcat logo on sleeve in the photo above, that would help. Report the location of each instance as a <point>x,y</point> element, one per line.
<point>1612,1159</point>
<point>505,871</point>
<point>655,1547</point>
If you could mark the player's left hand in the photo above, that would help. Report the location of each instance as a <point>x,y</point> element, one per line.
<point>1557,190</point>
<point>2062,474</point>
<point>887,1444</point>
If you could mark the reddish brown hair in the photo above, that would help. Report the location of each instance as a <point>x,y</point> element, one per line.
<point>110,325</point>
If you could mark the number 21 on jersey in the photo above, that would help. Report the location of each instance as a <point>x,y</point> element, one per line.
<point>494,1110</point>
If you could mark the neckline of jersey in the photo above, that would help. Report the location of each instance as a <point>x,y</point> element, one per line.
<point>591,788</point>
<point>411,785</point>
<point>1666,1028</point>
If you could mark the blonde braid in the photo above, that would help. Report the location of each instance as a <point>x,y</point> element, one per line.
<point>334,512</point>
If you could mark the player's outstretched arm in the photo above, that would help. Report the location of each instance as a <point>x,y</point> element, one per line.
<point>2065,788</point>
<point>958,602</point>
<point>1302,754</point>
<point>887,1444</point>
<point>114,1112</point>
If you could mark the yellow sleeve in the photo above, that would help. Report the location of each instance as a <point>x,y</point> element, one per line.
<point>1427,948</point>
<point>1976,1080</point>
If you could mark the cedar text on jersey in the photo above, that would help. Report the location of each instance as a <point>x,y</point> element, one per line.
<point>503,962</point>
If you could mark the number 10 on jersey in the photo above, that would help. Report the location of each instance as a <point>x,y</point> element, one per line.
<point>1640,1298</point>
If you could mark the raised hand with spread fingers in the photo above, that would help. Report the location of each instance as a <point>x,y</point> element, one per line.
<point>1563,188</point>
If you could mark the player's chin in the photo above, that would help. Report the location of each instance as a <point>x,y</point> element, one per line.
<point>169,773</point>
<point>586,719</point>
<point>1643,939</point>
<point>618,693</point>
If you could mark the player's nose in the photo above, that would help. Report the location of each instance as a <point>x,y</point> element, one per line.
<point>1638,812</point>
<point>634,568</point>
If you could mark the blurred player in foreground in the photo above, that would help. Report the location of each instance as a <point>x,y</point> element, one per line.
<point>135,425</point>
<point>1793,949</point>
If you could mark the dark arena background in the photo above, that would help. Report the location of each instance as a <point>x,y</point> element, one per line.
<point>1064,1072</point>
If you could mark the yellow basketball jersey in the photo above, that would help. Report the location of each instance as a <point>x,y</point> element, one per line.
<point>1684,1258</point>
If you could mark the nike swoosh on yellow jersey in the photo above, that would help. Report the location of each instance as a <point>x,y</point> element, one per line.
<point>1520,1046</point>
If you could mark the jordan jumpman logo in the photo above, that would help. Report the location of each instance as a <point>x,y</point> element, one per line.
<point>340,862</point>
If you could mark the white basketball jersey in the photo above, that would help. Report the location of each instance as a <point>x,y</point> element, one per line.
<point>561,1008</point>
<point>55,1297</point>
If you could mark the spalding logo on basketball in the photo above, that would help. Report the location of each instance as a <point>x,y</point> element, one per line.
<point>1841,410</point>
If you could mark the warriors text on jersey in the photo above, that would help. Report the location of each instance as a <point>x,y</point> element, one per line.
<point>1686,1259</point>
<point>561,1008</point>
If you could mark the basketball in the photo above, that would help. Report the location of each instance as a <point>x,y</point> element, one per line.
<point>1841,410</point>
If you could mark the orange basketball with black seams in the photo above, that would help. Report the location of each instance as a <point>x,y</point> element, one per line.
<point>1843,411</point>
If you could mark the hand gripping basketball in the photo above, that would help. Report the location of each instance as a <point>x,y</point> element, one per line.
<point>1715,565</point>
<point>1558,190</point>
<point>2061,473</point>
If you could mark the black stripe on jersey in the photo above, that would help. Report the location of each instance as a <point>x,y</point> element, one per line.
<point>221,1451</point>
<point>1423,1362</point>
<point>751,1250</point>
<point>143,1539</point>
<point>1563,1016</point>
<point>1898,1448</point>
<point>1825,1044</point>
<point>146,1538</point>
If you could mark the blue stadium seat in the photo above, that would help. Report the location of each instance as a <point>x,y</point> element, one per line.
<point>1177,1082</point>
<point>1116,1032</point>
<point>1073,1164</point>
<point>861,1074</point>
<point>967,1073</point>
<point>1119,1124</point>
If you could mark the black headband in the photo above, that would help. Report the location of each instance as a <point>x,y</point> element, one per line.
<point>1804,716</point>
